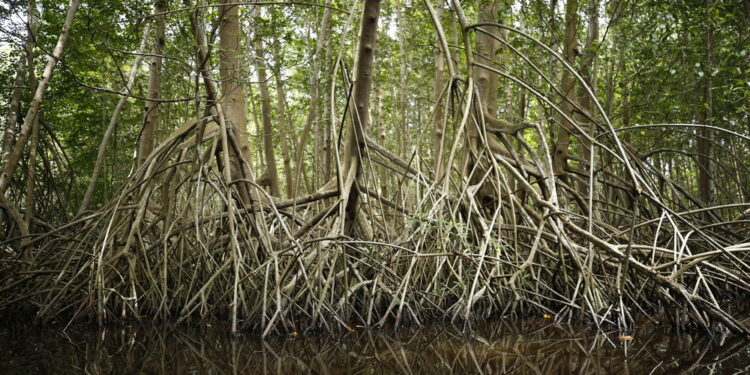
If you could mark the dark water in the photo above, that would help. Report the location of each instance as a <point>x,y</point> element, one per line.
<point>519,347</point>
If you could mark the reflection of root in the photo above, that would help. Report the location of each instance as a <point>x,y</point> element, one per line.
<point>497,347</point>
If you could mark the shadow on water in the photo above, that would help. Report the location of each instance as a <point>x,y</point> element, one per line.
<point>518,347</point>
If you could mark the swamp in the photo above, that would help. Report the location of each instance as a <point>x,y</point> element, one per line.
<point>500,347</point>
<point>360,186</point>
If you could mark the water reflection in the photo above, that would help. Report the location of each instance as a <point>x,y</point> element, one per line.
<point>529,347</point>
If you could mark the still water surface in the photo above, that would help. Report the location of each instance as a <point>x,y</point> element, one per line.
<point>517,347</point>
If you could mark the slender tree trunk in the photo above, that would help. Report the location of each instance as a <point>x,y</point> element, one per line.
<point>33,25</point>
<point>380,136</point>
<point>109,132</point>
<point>589,74</point>
<point>706,135</point>
<point>401,93</point>
<point>271,174</point>
<point>33,112</point>
<point>146,142</point>
<point>14,114</point>
<point>562,146</point>
<point>256,130</point>
<point>438,124</point>
<point>612,72</point>
<point>523,93</point>
<point>327,125</point>
<point>617,63</point>
<point>211,92</point>
<point>327,141</point>
<point>283,128</point>
<point>554,40</point>
<point>487,84</point>
<point>151,115</point>
<point>233,92</point>
<point>504,17</point>
<point>361,116</point>
<point>14,109</point>
<point>616,67</point>
<point>314,97</point>
<point>487,81</point>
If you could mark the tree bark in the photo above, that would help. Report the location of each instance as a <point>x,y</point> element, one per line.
<point>487,84</point>
<point>271,174</point>
<point>380,136</point>
<point>284,131</point>
<point>233,99</point>
<point>402,91</point>
<point>33,113</point>
<point>113,122</point>
<point>151,110</point>
<point>562,146</point>
<point>589,74</point>
<point>314,97</point>
<point>14,109</point>
<point>437,124</point>
<point>704,146</point>
<point>14,113</point>
<point>33,25</point>
<point>327,124</point>
<point>211,92</point>
<point>486,81</point>
<point>327,141</point>
<point>361,116</point>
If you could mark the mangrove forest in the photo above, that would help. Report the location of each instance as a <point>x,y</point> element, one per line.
<point>284,167</point>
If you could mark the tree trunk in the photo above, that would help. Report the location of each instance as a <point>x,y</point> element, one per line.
<point>271,174</point>
<point>487,84</point>
<point>437,124</point>
<point>233,93</point>
<point>257,126</point>
<point>14,113</point>
<point>562,146</point>
<point>706,135</point>
<point>14,109</point>
<point>284,131</point>
<point>151,115</point>
<point>327,124</point>
<point>327,141</point>
<point>401,93</point>
<point>25,65</point>
<point>314,96</point>
<point>589,74</point>
<point>211,92</point>
<point>380,136</point>
<point>33,25</point>
<point>487,81</point>
<point>360,118</point>
<point>33,113</point>
<point>113,122</point>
